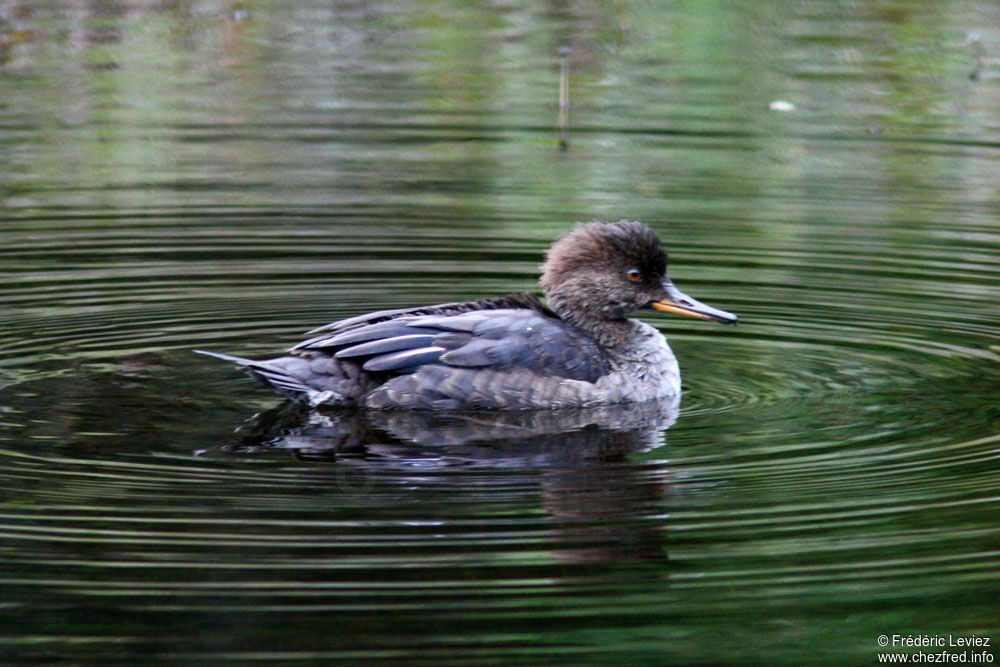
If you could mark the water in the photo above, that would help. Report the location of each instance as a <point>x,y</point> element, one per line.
<point>220,176</point>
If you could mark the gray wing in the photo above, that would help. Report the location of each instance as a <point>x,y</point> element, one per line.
<point>497,339</point>
<point>508,352</point>
<point>520,300</point>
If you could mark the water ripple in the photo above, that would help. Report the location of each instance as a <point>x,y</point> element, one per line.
<point>809,456</point>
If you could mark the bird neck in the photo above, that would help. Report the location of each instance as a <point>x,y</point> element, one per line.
<point>608,332</point>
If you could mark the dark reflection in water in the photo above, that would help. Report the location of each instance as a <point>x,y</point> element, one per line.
<point>545,438</point>
<point>602,509</point>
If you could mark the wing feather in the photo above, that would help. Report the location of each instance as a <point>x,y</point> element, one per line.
<point>403,360</point>
<point>383,345</point>
<point>505,352</point>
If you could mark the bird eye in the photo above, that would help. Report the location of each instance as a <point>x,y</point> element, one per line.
<point>635,275</point>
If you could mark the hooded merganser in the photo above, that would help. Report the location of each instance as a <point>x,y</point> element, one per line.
<point>510,352</point>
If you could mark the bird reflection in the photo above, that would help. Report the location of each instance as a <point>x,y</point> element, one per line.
<point>601,504</point>
<point>544,438</point>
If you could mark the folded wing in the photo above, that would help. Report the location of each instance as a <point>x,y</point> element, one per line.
<point>509,352</point>
<point>505,338</point>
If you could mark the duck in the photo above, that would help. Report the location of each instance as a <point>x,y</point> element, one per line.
<point>578,349</point>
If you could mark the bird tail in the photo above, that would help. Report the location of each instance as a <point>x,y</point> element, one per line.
<point>271,374</point>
